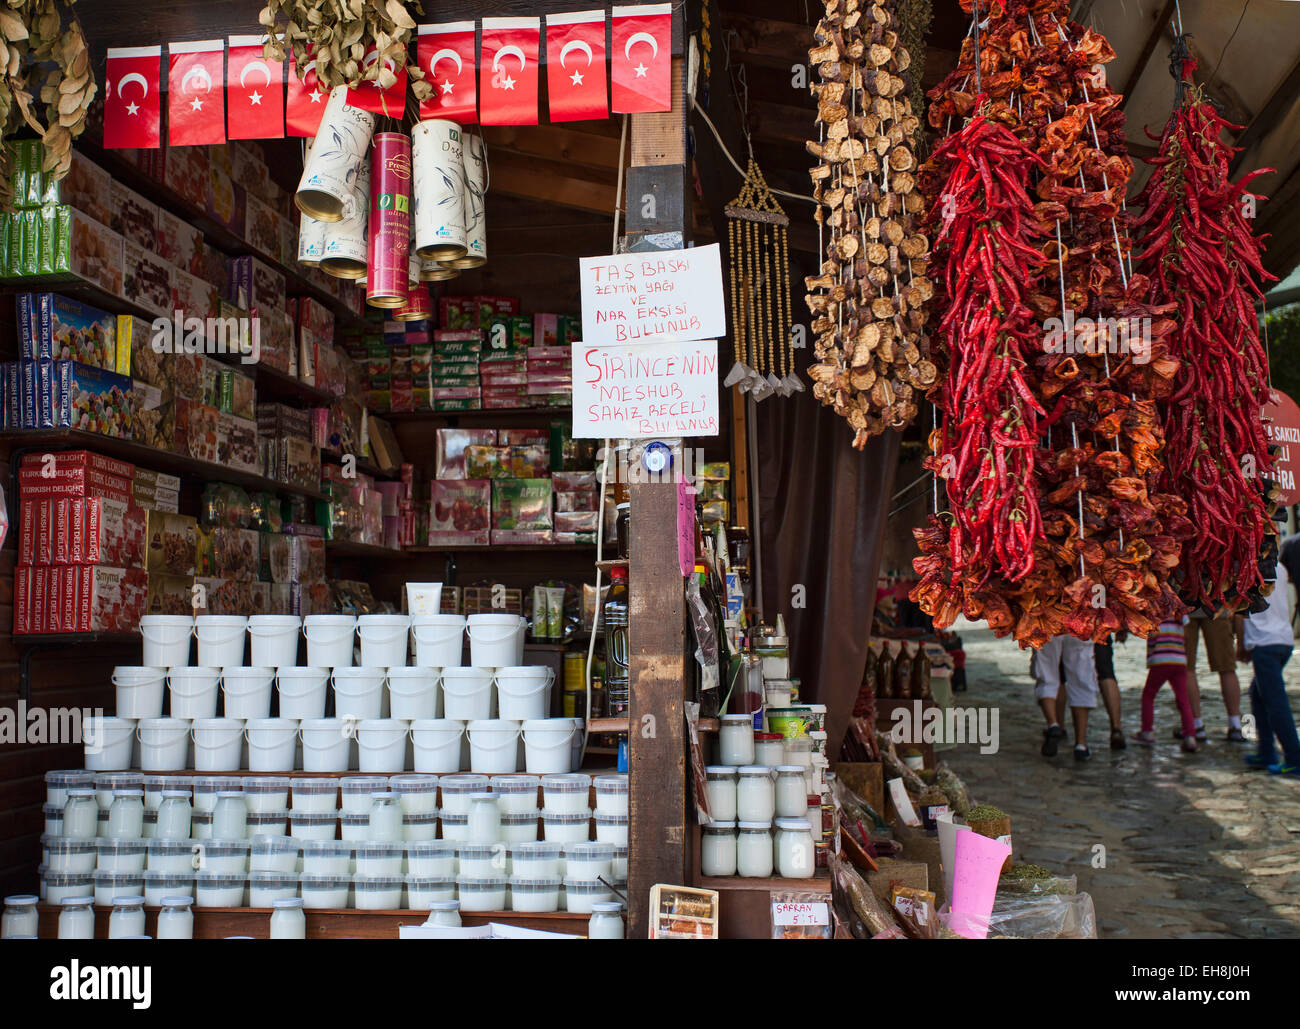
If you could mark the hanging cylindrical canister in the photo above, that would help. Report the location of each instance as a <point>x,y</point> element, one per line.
<point>417,307</point>
<point>390,220</point>
<point>311,231</point>
<point>334,160</point>
<point>345,241</point>
<point>474,183</point>
<point>436,271</point>
<point>439,189</point>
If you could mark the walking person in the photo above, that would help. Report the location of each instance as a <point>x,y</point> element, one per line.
<point>1105,661</point>
<point>1220,651</point>
<point>1167,663</point>
<point>1267,640</point>
<point>1076,658</point>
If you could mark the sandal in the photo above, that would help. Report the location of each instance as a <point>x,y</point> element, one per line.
<point>1117,740</point>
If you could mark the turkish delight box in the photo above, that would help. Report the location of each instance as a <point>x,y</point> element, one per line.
<point>192,296</point>
<point>93,399</point>
<point>110,599</point>
<point>237,442</point>
<point>252,283</point>
<point>82,333</point>
<point>170,594</point>
<point>261,229</point>
<point>89,188</point>
<point>134,217</point>
<point>521,504</point>
<point>108,532</point>
<point>146,364</point>
<point>275,340</point>
<point>94,252</point>
<point>35,324</point>
<point>147,279</point>
<point>186,173</point>
<point>172,543</point>
<point>153,415</point>
<point>196,430</point>
<point>179,242</point>
<point>460,512</point>
<point>226,201</point>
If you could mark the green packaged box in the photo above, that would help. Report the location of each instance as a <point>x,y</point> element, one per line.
<point>6,227</point>
<point>48,214</point>
<point>521,331</point>
<point>62,238</point>
<point>467,404</point>
<point>34,156</point>
<point>14,244</point>
<point>499,335</point>
<point>30,261</point>
<point>17,173</point>
<point>570,329</point>
<point>521,504</point>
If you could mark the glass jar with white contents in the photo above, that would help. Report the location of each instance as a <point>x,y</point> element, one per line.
<point>736,740</point>
<point>444,912</point>
<point>385,818</point>
<point>230,816</point>
<point>175,919</point>
<point>77,918</point>
<point>720,784</point>
<point>755,794</point>
<point>769,748</point>
<point>287,920</point>
<point>795,856</point>
<point>606,921</point>
<point>718,848</point>
<point>81,815</point>
<point>174,814</point>
<point>126,816</point>
<point>791,792</point>
<point>127,918</point>
<point>20,917</point>
<point>754,850</point>
<point>484,818</point>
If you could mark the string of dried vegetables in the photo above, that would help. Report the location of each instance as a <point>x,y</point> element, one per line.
<point>868,300</point>
<point>1200,253</point>
<point>1108,539</point>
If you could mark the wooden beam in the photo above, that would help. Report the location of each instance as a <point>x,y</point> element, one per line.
<point>1148,48</point>
<point>783,122</point>
<point>1282,100</point>
<point>555,143</point>
<point>553,184</point>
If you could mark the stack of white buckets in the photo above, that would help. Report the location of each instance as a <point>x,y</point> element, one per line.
<point>389,714</point>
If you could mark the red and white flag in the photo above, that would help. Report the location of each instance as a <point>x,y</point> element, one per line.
<point>196,114</point>
<point>641,58</point>
<point>575,66</point>
<point>304,101</point>
<point>446,55</point>
<point>254,91</point>
<point>390,102</point>
<point>132,112</point>
<point>509,63</point>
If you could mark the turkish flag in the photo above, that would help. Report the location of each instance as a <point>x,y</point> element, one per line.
<point>575,66</point>
<point>390,102</point>
<point>641,58</point>
<point>304,102</point>
<point>254,91</point>
<point>509,63</point>
<point>196,114</point>
<point>132,112</point>
<point>446,55</point>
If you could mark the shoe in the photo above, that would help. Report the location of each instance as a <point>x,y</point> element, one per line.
<point>1052,737</point>
<point>1082,754</point>
<point>1284,769</point>
<point>1201,734</point>
<point>1117,740</point>
<point>1189,744</point>
<point>1254,761</point>
<point>1146,738</point>
<point>1235,736</point>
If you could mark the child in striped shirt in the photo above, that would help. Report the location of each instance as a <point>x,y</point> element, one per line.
<point>1167,662</point>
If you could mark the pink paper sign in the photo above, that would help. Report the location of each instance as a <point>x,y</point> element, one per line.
<point>976,868</point>
<point>685,527</point>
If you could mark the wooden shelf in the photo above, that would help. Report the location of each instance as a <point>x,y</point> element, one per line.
<point>363,466</point>
<point>509,548</point>
<point>617,725</point>
<point>477,415</point>
<point>322,923</point>
<point>151,458</point>
<point>819,883</point>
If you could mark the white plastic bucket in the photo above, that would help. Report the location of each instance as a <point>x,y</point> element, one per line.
<point>164,744</point>
<point>218,744</point>
<point>467,693</point>
<point>166,640</point>
<point>329,640</point>
<point>413,692</point>
<point>496,641</point>
<point>194,691</point>
<point>436,743</point>
<point>271,744</point>
<point>302,691</point>
<point>247,691</point>
<point>358,692</point>
<point>107,742</point>
<point>221,639</point>
<point>524,692</point>
<point>326,744</point>
<point>439,640</point>
<point>139,691</point>
<point>273,640</point>
<point>385,640</point>
<point>548,746</point>
<point>493,746</point>
<point>381,744</point>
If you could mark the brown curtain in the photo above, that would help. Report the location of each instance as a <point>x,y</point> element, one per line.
<point>822,513</point>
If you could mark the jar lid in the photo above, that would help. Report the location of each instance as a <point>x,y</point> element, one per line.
<point>538,849</point>
<point>589,850</point>
<point>266,784</point>
<point>21,899</point>
<point>567,819</point>
<point>720,771</point>
<point>331,847</point>
<point>177,902</point>
<point>378,850</point>
<point>473,882</point>
<point>128,902</point>
<point>566,782</point>
<point>444,905</point>
<point>77,902</point>
<point>789,769</point>
<point>729,826</point>
<point>585,886</point>
<point>314,785</point>
<point>230,793</point>
<point>603,819</point>
<point>737,719</point>
<point>754,826</point>
<point>478,850</point>
<point>274,844</point>
<point>606,907</point>
<point>486,798</point>
<point>185,794</point>
<point>763,642</point>
<point>363,783</point>
<point>472,783</point>
<point>287,902</point>
<point>413,783</point>
<point>794,824</point>
<point>515,783</point>
<point>128,793</point>
<point>535,885</point>
<point>388,795</point>
<point>768,737</point>
<point>755,770</point>
<point>67,776</point>
<point>116,778</point>
<point>613,783</point>
<point>80,792</point>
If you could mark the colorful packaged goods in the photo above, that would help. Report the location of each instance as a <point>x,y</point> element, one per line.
<point>89,189</point>
<point>460,512</point>
<point>153,415</point>
<point>179,242</point>
<point>133,217</point>
<point>147,278</point>
<point>196,429</point>
<point>172,543</point>
<point>92,399</point>
<point>521,504</point>
<point>92,252</point>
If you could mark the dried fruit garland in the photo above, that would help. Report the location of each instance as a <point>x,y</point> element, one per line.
<point>1108,539</point>
<point>868,300</point>
<point>1200,253</point>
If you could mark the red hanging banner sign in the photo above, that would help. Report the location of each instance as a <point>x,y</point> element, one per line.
<point>304,102</point>
<point>254,91</point>
<point>196,114</point>
<point>509,62</point>
<point>390,102</point>
<point>575,66</point>
<point>446,55</point>
<point>640,59</point>
<point>132,113</point>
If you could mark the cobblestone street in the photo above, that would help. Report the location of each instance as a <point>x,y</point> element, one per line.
<point>1168,844</point>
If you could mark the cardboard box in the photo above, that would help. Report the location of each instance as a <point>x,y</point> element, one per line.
<point>169,594</point>
<point>192,296</point>
<point>460,511</point>
<point>179,242</point>
<point>196,430</point>
<point>261,228</point>
<point>110,599</point>
<point>112,532</point>
<point>237,442</point>
<point>145,364</point>
<point>173,543</point>
<point>521,504</point>
<point>147,279</point>
<point>79,332</point>
<point>93,399</point>
<point>35,323</point>
<point>133,217</point>
<point>226,201</point>
<point>252,283</point>
<point>89,188</point>
<point>153,416</point>
<point>93,252</point>
<point>64,461</point>
<point>185,171</point>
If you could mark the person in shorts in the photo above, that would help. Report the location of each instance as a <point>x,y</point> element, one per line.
<point>1221,650</point>
<point>1076,657</point>
<point>1104,653</point>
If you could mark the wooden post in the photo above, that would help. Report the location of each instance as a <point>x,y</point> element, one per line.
<point>657,217</point>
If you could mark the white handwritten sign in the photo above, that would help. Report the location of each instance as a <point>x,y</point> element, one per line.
<point>652,297</point>
<point>653,389</point>
<point>789,913</point>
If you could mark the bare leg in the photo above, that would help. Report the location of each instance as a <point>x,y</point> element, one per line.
<point>1110,697</point>
<point>1231,686</point>
<point>1080,725</point>
<point>1048,704</point>
<point>1194,692</point>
